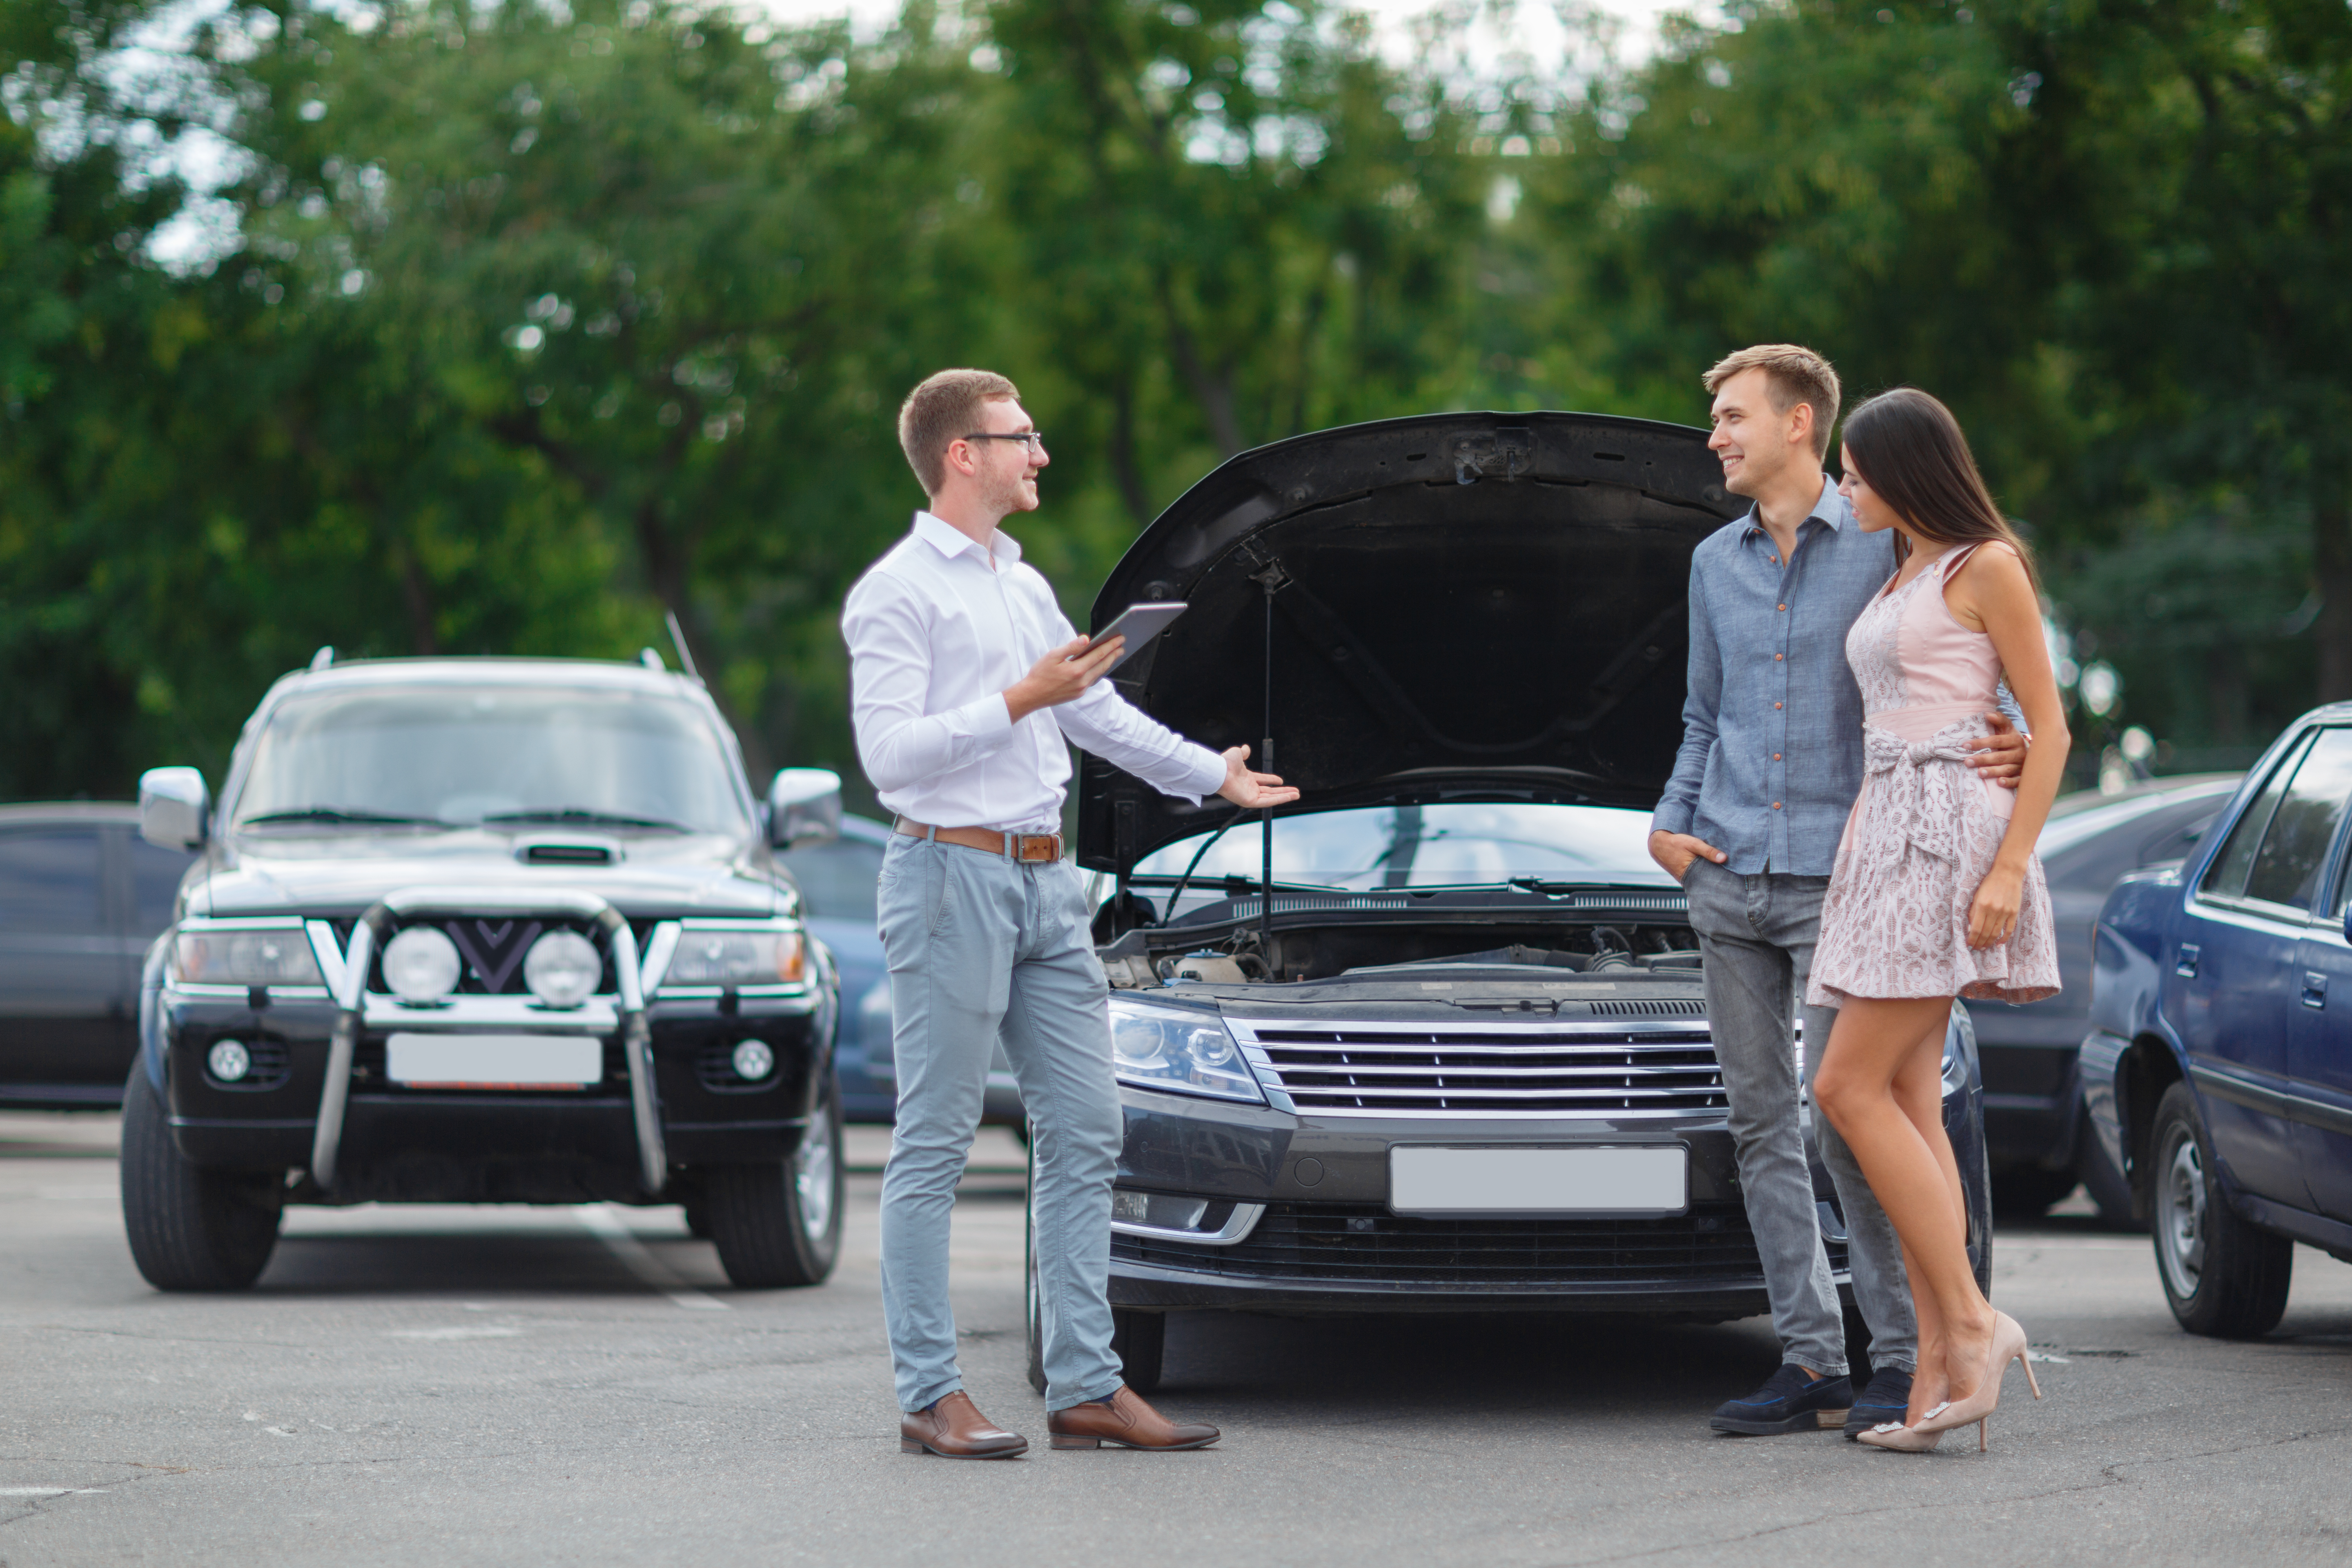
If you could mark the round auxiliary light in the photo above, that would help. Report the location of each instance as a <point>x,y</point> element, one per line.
<point>562,969</point>
<point>753,1060</point>
<point>421,964</point>
<point>228,1061</point>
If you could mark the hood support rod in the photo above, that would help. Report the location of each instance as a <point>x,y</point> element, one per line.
<point>1271,577</point>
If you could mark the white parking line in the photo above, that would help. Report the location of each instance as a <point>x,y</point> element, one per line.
<point>609,1229</point>
<point>51,1491</point>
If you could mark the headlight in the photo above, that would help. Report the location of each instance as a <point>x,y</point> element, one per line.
<point>562,968</point>
<point>421,964</point>
<point>234,956</point>
<point>1179,1050</point>
<point>743,956</point>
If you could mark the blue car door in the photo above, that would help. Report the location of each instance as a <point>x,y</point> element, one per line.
<point>2319,1050</point>
<point>2235,987</point>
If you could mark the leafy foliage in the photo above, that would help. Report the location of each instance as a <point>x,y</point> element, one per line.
<point>540,320</point>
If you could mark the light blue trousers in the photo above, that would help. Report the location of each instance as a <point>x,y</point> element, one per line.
<point>979,944</point>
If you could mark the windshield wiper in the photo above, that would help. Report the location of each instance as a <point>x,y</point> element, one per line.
<point>582,813</point>
<point>342,814</point>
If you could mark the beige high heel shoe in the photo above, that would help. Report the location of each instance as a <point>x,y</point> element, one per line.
<point>1896,1437</point>
<point>2008,1345</point>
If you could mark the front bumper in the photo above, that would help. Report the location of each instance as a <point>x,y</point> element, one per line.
<point>1326,1240</point>
<point>667,1101</point>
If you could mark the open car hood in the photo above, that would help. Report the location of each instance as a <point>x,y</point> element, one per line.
<point>1463,606</point>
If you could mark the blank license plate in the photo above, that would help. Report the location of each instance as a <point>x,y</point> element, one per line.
<point>493,1061</point>
<point>1465,1182</point>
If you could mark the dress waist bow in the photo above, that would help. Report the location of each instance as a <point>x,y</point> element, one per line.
<point>1920,802</point>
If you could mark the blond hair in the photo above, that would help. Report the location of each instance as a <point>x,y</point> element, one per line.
<point>945,408</point>
<point>1794,375</point>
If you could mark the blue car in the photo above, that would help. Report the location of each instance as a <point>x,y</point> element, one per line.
<point>838,881</point>
<point>2217,1073</point>
<point>837,889</point>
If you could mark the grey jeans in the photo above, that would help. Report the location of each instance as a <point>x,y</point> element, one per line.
<point>979,945</point>
<point>1757,934</point>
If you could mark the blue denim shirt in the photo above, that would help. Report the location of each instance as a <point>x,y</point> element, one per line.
<point>1771,754</point>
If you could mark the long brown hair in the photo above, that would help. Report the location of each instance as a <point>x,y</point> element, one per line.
<point>1909,448</point>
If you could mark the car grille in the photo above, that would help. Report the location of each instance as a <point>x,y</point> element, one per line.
<point>491,952</point>
<point>1346,1069</point>
<point>1363,1243</point>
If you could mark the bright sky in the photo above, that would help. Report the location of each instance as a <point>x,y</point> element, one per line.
<point>1503,30</point>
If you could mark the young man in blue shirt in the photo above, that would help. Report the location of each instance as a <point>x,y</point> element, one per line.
<point>1771,761</point>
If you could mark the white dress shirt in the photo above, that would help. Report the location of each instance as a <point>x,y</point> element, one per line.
<point>936,631</point>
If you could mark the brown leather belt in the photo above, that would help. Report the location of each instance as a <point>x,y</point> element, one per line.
<point>1033,847</point>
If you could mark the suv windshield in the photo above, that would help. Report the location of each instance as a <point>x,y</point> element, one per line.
<point>507,754</point>
<point>1449,845</point>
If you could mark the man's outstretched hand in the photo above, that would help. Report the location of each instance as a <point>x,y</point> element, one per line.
<point>1062,676</point>
<point>1245,788</point>
<point>2000,756</point>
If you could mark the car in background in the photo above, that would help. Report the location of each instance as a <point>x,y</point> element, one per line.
<point>839,882</point>
<point>484,931</point>
<point>2035,1134</point>
<point>2218,1068</point>
<point>82,897</point>
<point>838,886</point>
<point>1450,1051</point>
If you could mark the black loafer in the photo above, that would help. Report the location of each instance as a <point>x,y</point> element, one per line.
<point>1791,1400</point>
<point>1885,1398</point>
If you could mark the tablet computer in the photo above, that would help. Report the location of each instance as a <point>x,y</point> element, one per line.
<point>1138,623</point>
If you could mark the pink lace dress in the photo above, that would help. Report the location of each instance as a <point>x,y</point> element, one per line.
<point>1927,827</point>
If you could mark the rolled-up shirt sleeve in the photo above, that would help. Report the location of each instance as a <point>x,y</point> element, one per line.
<point>891,678</point>
<point>1102,721</point>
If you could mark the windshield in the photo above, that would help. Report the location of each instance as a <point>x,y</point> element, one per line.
<point>1426,847</point>
<point>613,761</point>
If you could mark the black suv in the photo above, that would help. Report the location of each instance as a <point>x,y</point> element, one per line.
<point>484,931</point>
<point>1455,1057</point>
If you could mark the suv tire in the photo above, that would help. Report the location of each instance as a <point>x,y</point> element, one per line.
<point>2221,1275</point>
<point>777,1224</point>
<point>190,1227</point>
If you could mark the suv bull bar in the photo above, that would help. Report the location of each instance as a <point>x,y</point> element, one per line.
<point>348,976</point>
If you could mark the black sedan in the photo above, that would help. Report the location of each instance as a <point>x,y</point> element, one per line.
<point>2036,1133</point>
<point>1435,1039</point>
<point>82,896</point>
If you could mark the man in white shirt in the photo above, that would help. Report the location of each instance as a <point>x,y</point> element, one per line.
<point>965,679</point>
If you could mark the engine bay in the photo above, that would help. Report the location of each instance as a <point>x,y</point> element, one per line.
<point>1236,953</point>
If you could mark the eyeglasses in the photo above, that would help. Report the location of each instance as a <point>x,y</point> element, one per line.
<point>1033,439</point>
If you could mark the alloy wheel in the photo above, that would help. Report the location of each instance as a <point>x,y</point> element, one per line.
<point>813,1178</point>
<point>2180,1217</point>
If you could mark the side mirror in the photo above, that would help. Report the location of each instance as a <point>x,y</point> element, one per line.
<point>804,807</point>
<point>2347,922</point>
<point>172,806</point>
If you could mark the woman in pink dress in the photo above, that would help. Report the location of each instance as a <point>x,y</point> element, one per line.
<point>1936,892</point>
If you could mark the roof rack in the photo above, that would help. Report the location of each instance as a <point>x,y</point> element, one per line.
<point>323,657</point>
<point>651,659</point>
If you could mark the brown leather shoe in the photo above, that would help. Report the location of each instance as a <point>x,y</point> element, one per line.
<point>955,1430</point>
<point>1124,1419</point>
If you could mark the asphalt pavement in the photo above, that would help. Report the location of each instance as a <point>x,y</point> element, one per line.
<point>519,1386</point>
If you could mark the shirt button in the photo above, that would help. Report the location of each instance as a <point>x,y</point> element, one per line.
<point>1776,705</point>
<point>1776,756</point>
<point>1784,607</point>
<point>1776,805</point>
<point>1778,657</point>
